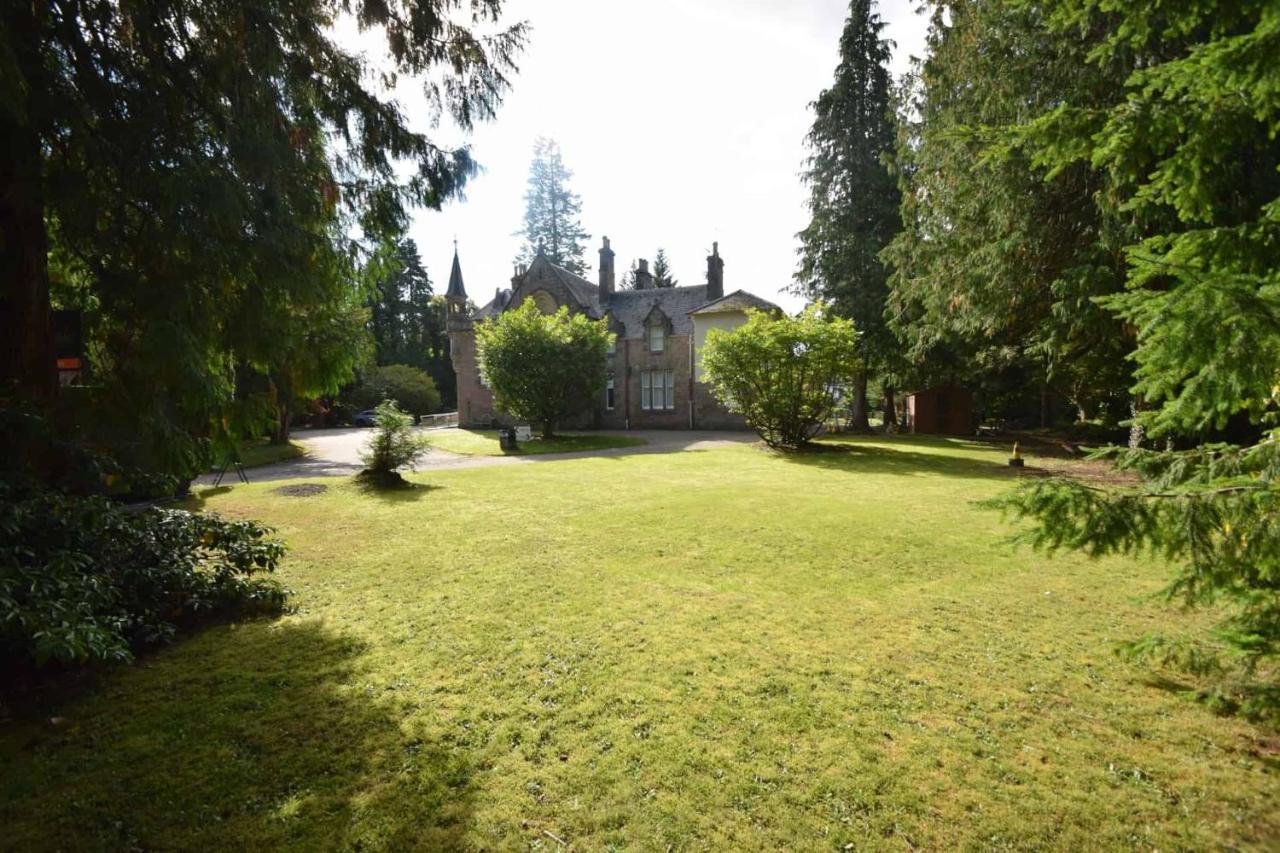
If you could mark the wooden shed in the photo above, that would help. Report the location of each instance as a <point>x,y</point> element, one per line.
<point>941,410</point>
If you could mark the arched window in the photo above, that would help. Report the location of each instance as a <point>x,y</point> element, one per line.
<point>545,301</point>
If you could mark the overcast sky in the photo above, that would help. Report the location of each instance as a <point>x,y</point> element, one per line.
<point>682,121</point>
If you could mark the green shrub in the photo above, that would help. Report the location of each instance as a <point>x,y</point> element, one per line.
<point>392,446</point>
<point>543,368</point>
<point>413,389</point>
<point>782,374</point>
<point>83,579</point>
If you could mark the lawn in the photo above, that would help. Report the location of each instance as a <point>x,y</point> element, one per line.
<point>484,442</point>
<point>698,650</point>
<point>261,451</point>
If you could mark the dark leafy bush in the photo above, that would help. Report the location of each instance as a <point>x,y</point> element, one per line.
<point>413,389</point>
<point>83,579</point>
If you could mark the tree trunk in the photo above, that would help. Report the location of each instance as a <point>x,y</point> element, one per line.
<point>284,422</point>
<point>1044,406</point>
<point>25,313</point>
<point>1137,434</point>
<point>858,411</point>
<point>548,430</point>
<point>890,410</point>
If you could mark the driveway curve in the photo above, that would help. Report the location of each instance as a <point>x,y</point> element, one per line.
<point>336,453</point>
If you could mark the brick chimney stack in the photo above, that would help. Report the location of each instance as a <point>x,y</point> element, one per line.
<point>715,273</point>
<point>644,278</point>
<point>606,269</point>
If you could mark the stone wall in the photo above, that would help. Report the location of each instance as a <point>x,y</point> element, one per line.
<point>475,402</point>
<point>476,409</point>
<point>709,414</point>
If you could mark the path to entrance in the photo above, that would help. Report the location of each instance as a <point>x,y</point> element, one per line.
<point>336,452</point>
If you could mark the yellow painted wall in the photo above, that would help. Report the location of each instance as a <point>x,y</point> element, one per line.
<point>701,323</point>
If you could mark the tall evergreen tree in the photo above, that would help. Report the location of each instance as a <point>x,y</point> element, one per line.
<point>999,261</point>
<point>1187,150</point>
<point>552,211</point>
<point>662,276</point>
<point>175,162</point>
<point>406,318</point>
<point>853,198</point>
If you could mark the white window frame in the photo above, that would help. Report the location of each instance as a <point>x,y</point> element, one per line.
<point>658,333</point>
<point>658,390</point>
<point>609,394</point>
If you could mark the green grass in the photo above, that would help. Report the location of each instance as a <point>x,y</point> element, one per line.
<point>261,451</point>
<point>484,442</point>
<point>703,650</point>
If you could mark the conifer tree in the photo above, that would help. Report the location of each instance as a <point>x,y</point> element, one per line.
<point>853,199</point>
<point>662,276</point>
<point>195,173</point>
<point>1186,149</point>
<point>999,262</point>
<point>628,280</point>
<point>552,211</point>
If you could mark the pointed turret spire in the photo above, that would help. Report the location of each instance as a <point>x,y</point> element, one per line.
<point>456,290</point>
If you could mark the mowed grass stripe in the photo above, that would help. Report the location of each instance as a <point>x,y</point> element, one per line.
<point>709,649</point>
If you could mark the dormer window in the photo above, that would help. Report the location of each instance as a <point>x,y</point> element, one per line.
<point>657,338</point>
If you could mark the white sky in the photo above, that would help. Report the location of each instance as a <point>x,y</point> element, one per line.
<point>682,121</point>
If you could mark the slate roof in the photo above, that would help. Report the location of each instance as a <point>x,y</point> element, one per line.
<point>632,307</point>
<point>455,279</point>
<point>739,300</point>
<point>586,293</point>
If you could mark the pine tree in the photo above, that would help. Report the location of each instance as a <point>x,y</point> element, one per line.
<point>999,262</point>
<point>628,280</point>
<point>552,210</point>
<point>662,276</point>
<point>853,199</point>
<point>415,287</point>
<point>1186,149</point>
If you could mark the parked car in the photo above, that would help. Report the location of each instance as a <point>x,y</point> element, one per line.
<point>368,417</point>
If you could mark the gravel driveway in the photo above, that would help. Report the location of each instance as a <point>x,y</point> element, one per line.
<point>336,453</point>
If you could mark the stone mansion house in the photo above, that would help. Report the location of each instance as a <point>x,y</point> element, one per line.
<point>654,372</point>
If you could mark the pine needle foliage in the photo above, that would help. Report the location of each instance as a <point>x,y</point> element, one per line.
<point>200,174</point>
<point>853,196</point>
<point>1187,150</point>
<point>393,445</point>
<point>552,222</point>
<point>662,276</point>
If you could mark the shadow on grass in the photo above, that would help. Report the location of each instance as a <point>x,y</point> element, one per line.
<point>259,735</point>
<point>896,456</point>
<point>199,496</point>
<point>398,490</point>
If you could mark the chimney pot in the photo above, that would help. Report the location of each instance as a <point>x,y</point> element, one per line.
<point>606,269</point>
<point>644,278</point>
<point>715,273</point>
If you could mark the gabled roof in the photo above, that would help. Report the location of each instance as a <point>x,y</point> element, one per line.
<point>584,291</point>
<point>455,279</point>
<point>630,309</point>
<point>633,307</point>
<point>739,300</point>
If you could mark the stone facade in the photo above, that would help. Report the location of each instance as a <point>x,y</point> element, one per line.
<point>653,363</point>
